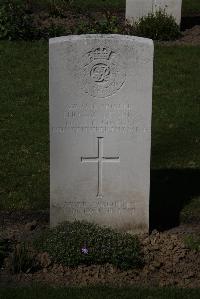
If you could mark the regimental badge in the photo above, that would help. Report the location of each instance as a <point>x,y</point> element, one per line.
<point>103,72</point>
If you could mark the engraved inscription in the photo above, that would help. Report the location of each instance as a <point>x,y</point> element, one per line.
<point>100,160</point>
<point>102,72</point>
<point>99,207</point>
<point>99,118</point>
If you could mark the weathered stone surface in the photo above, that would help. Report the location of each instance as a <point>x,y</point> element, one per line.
<point>136,9</point>
<point>100,129</point>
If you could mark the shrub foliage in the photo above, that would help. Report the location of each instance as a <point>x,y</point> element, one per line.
<point>16,22</point>
<point>76,243</point>
<point>157,26</point>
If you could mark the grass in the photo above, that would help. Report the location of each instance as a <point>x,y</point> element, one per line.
<point>176,108</point>
<point>24,138</point>
<point>193,242</point>
<point>98,293</point>
<point>191,7</point>
<point>191,211</point>
<point>82,5</point>
<point>24,144</point>
<point>188,6</point>
<point>109,4</point>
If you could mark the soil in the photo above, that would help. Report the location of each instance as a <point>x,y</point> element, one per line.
<point>191,36</point>
<point>168,261</point>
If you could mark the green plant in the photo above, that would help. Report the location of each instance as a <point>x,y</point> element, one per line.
<point>193,242</point>
<point>191,211</point>
<point>105,25</point>
<point>15,21</point>
<point>190,7</point>
<point>90,5</point>
<point>3,23</point>
<point>23,259</point>
<point>157,26</point>
<point>78,243</point>
<point>53,30</point>
<point>59,7</point>
<point>98,292</point>
<point>108,25</point>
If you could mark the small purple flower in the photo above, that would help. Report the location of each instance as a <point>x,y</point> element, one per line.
<point>84,250</point>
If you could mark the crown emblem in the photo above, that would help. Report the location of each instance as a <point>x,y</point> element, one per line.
<point>99,53</point>
<point>102,71</point>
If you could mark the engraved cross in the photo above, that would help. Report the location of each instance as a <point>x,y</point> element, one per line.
<point>100,160</point>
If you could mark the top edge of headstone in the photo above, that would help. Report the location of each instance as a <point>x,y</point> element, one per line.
<point>74,38</point>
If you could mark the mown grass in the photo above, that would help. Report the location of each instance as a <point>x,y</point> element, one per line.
<point>98,293</point>
<point>176,108</point>
<point>191,7</point>
<point>24,141</point>
<point>191,211</point>
<point>24,137</point>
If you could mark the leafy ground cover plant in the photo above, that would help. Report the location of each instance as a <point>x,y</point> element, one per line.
<point>75,243</point>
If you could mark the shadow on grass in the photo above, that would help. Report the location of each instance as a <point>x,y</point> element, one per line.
<point>171,190</point>
<point>188,22</point>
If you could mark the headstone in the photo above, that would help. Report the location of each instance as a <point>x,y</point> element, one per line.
<point>100,130</point>
<point>135,9</point>
<point>172,7</point>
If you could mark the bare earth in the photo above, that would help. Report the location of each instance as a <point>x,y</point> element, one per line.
<point>168,262</point>
<point>191,36</point>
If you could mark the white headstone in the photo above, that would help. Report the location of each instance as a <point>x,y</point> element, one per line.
<point>135,9</point>
<point>100,129</point>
